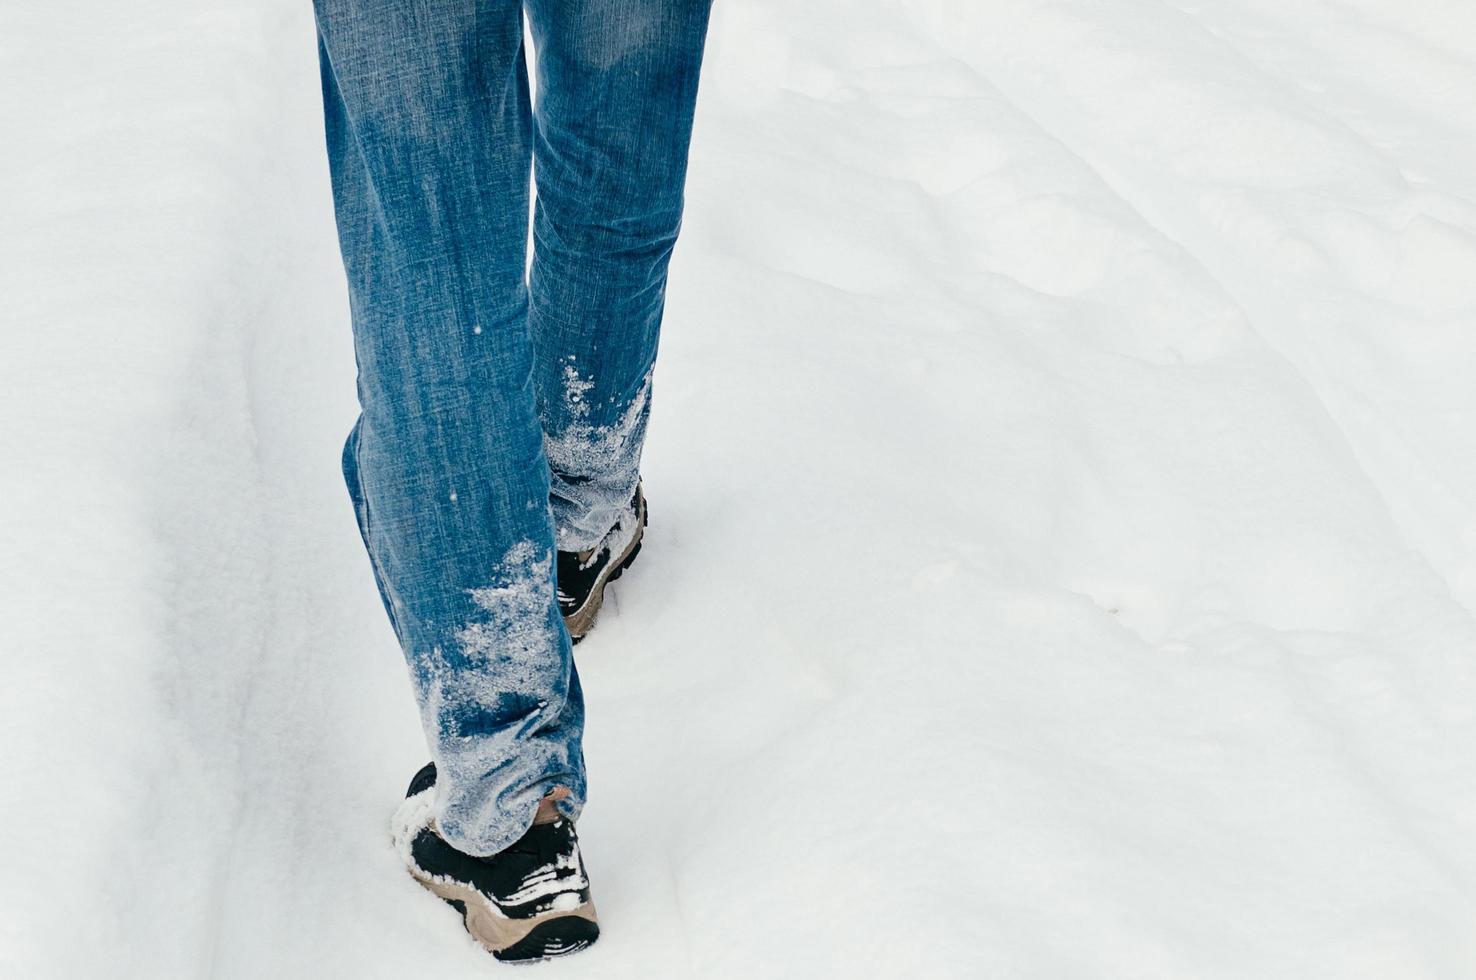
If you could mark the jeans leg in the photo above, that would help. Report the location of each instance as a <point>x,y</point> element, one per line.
<point>430,141</point>
<point>617,82</point>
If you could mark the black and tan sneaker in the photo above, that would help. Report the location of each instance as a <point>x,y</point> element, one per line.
<point>529,902</point>
<point>583,575</point>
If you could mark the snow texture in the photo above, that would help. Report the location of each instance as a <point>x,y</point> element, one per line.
<point>608,453</point>
<point>508,661</point>
<point>1063,555</point>
<point>414,814</point>
<point>515,634</point>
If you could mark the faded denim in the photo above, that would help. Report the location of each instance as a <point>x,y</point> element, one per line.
<point>503,409</point>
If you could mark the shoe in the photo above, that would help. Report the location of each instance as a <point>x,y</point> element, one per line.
<point>583,575</point>
<point>528,902</point>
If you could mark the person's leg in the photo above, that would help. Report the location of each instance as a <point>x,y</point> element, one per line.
<point>617,81</point>
<point>429,137</point>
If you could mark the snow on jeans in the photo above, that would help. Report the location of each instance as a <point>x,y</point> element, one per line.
<point>503,410</point>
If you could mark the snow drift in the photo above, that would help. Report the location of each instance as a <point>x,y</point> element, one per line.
<point>1062,557</point>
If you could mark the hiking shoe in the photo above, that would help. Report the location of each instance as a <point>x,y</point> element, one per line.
<point>583,575</point>
<point>529,902</point>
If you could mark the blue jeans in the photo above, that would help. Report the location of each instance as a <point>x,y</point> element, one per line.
<point>503,406</point>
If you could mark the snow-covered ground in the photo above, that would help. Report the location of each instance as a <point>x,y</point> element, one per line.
<point>1063,545</point>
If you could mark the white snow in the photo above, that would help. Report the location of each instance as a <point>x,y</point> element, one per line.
<point>1062,558</point>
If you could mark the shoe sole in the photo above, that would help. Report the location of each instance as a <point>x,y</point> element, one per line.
<point>582,620</point>
<point>537,937</point>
